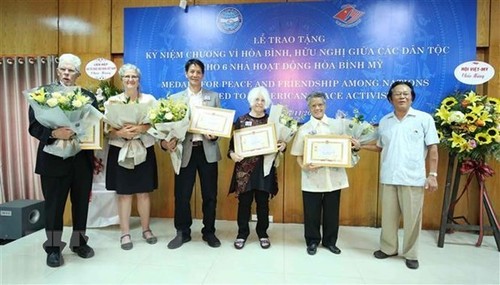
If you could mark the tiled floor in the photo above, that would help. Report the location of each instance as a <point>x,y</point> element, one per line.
<point>286,262</point>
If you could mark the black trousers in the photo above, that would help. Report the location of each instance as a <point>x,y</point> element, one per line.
<point>78,184</point>
<point>184,183</point>
<point>245,211</point>
<point>324,206</point>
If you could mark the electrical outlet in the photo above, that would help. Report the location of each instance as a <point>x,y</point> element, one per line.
<point>254,218</point>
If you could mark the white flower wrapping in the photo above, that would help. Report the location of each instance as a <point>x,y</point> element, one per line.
<point>78,120</point>
<point>118,113</point>
<point>168,131</point>
<point>357,128</point>
<point>283,133</point>
<point>361,130</point>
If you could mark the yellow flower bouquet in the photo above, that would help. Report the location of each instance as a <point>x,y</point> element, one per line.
<point>67,99</point>
<point>169,120</point>
<point>168,110</point>
<point>55,106</point>
<point>468,126</point>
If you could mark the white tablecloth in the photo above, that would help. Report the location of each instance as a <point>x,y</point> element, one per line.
<point>103,209</point>
<point>103,206</point>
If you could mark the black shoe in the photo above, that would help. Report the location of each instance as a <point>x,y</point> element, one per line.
<point>178,240</point>
<point>127,245</point>
<point>265,243</point>
<point>333,249</point>
<point>412,264</point>
<point>83,251</point>
<point>381,255</point>
<point>55,259</point>
<point>212,240</point>
<point>311,249</point>
<point>239,243</point>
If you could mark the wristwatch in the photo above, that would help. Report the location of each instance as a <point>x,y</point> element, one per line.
<point>433,174</point>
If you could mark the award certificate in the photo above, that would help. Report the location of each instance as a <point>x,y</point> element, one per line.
<point>328,150</point>
<point>257,140</point>
<point>211,121</point>
<point>93,137</point>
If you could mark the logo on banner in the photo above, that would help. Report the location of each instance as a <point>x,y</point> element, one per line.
<point>349,16</point>
<point>229,20</point>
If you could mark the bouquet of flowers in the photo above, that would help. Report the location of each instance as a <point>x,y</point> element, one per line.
<point>357,127</point>
<point>120,111</point>
<point>55,106</point>
<point>286,127</point>
<point>103,92</point>
<point>468,126</point>
<point>170,120</point>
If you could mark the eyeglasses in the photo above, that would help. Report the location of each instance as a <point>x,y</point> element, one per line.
<point>401,94</point>
<point>130,77</point>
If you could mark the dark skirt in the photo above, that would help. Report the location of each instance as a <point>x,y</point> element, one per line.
<point>142,179</point>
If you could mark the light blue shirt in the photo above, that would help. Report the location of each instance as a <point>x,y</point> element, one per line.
<point>404,147</point>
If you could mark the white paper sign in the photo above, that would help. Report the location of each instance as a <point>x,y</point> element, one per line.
<point>474,72</point>
<point>100,68</point>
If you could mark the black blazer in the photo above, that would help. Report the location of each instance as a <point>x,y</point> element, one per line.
<point>51,165</point>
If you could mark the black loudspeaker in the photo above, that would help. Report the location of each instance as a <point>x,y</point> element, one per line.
<point>21,217</point>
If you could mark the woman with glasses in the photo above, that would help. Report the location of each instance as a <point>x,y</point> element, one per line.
<point>126,180</point>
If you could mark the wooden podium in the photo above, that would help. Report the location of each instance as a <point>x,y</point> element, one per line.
<point>453,176</point>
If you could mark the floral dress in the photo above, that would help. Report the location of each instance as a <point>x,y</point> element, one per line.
<point>248,174</point>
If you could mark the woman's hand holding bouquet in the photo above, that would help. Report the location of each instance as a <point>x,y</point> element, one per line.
<point>129,122</point>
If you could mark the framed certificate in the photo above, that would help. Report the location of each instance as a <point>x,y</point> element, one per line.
<point>328,150</point>
<point>257,140</point>
<point>94,137</point>
<point>211,121</point>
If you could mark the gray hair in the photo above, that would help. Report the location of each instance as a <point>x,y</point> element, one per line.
<point>70,59</point>
<point>255,92</point>
<point>129,66</point>
<point>315,94</point>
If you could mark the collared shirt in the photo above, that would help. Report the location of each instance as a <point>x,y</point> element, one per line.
<point>195,99</point>
<point>404,147</point>
<point>322,179</point>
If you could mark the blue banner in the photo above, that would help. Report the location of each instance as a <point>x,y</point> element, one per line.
<point>351,50</point>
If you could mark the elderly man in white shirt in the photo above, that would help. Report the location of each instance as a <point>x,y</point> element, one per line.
<point>408,141</point>
<point>321,185</point>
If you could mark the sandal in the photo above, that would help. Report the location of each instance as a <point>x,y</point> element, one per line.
<point>127,245</point>
<point>239,243</point>
<point>152,239</point>
<point>265,243</point>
